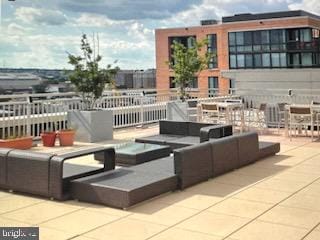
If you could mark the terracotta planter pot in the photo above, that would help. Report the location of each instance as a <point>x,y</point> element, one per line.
<point>66,137</point>
<point>48,139</point>
<point>17,143</point>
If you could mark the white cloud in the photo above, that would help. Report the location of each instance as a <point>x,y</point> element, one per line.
<point>40,16</point>
<point>307,5</point>
<point>15,29</point>
<point>96,20</point>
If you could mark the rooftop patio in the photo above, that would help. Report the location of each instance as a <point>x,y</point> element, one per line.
<point>277,197</point>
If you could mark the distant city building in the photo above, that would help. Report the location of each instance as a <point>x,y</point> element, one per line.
<point>18,82</point>
<point>128,79</point>
<point>255,51</point>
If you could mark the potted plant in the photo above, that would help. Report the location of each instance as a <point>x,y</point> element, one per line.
<point>186,64</point>
<point>66,136</point>
<point>17,142</point>
<point>90,81</point>
<point>48,138</point>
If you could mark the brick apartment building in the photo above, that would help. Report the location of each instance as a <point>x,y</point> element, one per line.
<point>278,41</point>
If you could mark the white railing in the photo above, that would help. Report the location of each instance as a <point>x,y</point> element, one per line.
<point>33,114</point>
<point>254,98</point>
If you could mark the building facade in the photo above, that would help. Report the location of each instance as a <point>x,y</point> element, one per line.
<point>259,42</point>
<point>135,79</point>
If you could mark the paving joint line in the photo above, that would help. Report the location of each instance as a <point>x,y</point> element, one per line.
<point>234,195</point>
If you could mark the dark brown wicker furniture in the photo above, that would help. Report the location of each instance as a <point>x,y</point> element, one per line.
<point>190,165</point>
<point>50,175</point>
<point>47,174</point>
<point>182,134</point>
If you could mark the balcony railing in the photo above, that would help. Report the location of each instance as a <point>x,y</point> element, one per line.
<point>33,114</point>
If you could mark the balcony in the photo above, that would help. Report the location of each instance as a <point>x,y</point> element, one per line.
<point>277,197</point>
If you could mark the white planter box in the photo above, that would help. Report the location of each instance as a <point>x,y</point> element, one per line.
<point>92,126</point>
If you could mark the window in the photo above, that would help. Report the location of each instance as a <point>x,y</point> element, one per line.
<point>305,35</point>
<point>233,61</point>
<point>275,59</point>
<point>172,84</point>
<point>306,59</point>
<point>278,48</point>
<point>249,61</point>
<point>240,61</point>
<point>187,41</point>
<point>266,60</point>
<point>213,82</point>
<point>257,60</point>
<point>212,48</point>
<point>192,84</point>
<point>265,37</point>
<point>232,83</point>
<point>239,38</point>
<point>283,59</point>
<point>232,39</point>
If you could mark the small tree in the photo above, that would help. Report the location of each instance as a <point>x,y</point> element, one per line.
<point>186,63</point>
<point>88,78</point>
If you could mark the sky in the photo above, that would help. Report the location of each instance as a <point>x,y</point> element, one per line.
<point>41,33</point>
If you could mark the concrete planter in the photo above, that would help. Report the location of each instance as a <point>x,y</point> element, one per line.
<point>92,126</point>
<point>177,111</point>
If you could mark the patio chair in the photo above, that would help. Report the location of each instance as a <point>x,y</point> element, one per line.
<point>300,117</point>
<point>210,113</point>
<point>259,116</point>
<point>281,114</point>
<point>317,115</point>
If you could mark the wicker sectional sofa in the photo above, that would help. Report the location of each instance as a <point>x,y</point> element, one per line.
<point>190,165</point>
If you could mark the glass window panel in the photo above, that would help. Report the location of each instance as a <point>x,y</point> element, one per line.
<point>248,38</point>
<point>213,82</point>
<point>257,48</point>
<point>295,59</point>
<point>191,41</point>
<point>283,59</point>
<point>266,60</point>
<point>275,36</point>
<point>240,48</point>
<point>305,35</point>
<point>233,61</point>
<point>257,37</point>
<point>275,58</point>
<point>283,36</point>
<point>240,60</point>
<point>275,47</point>
<point>306,59</point>
<point>232,49</point>
<point>232,83</point>
<point>240,38</point>
<point>265,47</point>
<point>171,82</point>
<point>248,48</point>
<point>232,39</point>
<point>293,35</point>
<point>265,37</point>
<point>257,60</point>
<point>248,61</point>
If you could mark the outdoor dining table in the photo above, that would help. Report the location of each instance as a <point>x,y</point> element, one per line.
<point>314,108</point>
<point>229,108</point>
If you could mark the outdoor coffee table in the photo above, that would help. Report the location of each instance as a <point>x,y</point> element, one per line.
<point>134,153</point>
